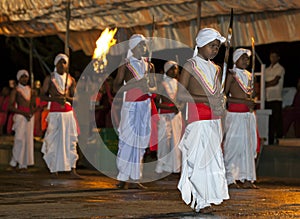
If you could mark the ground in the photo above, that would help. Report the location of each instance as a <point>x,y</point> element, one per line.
<point>37,194</point>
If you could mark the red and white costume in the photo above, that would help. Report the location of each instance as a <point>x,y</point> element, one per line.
<point>240,142</point>
<point>135,126</point>
<point>23,148</point>
<point>169,132</point>
<point>59,146</point>
<point>202,180</point>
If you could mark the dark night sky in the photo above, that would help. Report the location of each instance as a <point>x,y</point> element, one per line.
<point>14,56</point>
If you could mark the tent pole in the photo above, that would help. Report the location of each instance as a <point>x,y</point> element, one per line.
<point>199,14</point>
<point>31,62</point>
<point>68,16</point>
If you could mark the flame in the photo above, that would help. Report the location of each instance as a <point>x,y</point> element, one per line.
<point>104,42</point>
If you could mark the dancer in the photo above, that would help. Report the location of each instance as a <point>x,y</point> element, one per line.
<point>203,180</point>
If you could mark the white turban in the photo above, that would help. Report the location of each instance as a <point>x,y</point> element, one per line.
<point>205,36</point>
<point>169,65</point>
<point>134,40</point>
<point>21,73</point>
<point>61,56</point>
<point>239,52</point>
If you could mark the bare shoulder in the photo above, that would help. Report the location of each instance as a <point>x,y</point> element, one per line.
<point>188,67</point>
<point>13,92</point>
<point>72,79</point>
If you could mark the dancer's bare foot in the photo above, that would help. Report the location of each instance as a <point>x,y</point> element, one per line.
<point>11,168</point>
<point>54,175</point>
<point>206,210</point>
<point>249,185</point>
<point>122,185</point>
<point>136,186</point>
<point>74,174</point>
<point>233,186</point>
<point>22,170</point>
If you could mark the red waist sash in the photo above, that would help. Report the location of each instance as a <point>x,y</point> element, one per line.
<point>136,95</point>
<point>24,109</point>
<point>56,107</point>
<point>238,108</point>
<point>200,111</point>
<point>163,111</point>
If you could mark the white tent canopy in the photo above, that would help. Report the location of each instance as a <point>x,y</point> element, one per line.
<point>267,21</point>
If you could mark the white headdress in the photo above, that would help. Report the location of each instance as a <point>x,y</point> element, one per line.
<point>61,56</point>
<point>205,36</point>
<point>22,72</point>
<point>169,65</point>
<point>134,40</point>
<point>239,52</point>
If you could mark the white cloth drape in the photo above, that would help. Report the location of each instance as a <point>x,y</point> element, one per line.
<point>202,180</point>
<point>134,136</point>
<point>23,149</point>
<point>169,135</point>
<point>240,146</point>
<point>59,147</point>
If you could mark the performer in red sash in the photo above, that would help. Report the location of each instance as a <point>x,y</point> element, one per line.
<point>202,181</point>
<point>21,104</point>
<point>240,141</point>
<point>60,141</point>
<point>170,121</point>
<point>135,124</point>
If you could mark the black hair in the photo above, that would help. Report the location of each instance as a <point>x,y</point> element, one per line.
<point>275,51</point>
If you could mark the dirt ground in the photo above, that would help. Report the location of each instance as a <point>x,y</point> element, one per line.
<point>37,194</point>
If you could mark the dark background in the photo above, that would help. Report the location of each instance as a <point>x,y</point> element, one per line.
<point>14,55</point>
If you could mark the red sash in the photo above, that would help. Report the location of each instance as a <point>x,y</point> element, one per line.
<point>238,108</point>
<point>24,109</point>
<point>56,107</point>
<point>243,108</point>
<point>136,95</point>
<point>199,111</point>
<point>163,111</point>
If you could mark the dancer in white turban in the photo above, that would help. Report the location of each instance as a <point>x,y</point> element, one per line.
<point>170,121</point>
<point>20,104</point>
<point>240,124</point>
<point>59,147</point>
<point>135,124</point>
<point>202,181</point>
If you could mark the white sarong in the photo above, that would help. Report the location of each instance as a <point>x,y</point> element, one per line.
<point>23,149</point>
<point>240,146</point>
<point>169,134</point>
<point>202,180</point>
<point>59,147</point>
<point>134,136</point>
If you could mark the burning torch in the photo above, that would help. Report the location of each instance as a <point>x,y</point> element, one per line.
<point>103,44</point>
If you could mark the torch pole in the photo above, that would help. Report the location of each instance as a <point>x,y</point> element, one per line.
<point>67,51</point>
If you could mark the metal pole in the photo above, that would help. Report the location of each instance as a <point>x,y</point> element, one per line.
<point>199,14</point>
<point>262,87</point>
<point>68,17</point>
<point>31,62</point>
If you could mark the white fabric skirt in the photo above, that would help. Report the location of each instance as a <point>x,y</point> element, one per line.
<point>59,147</point>
<point>169,135</point>
<point>240,146</point>
<point>23,149</point>
<point>202,180</point>
<point>134,136</point>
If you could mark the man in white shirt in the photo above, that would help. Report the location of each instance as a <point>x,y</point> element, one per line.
<point>274,85</point>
